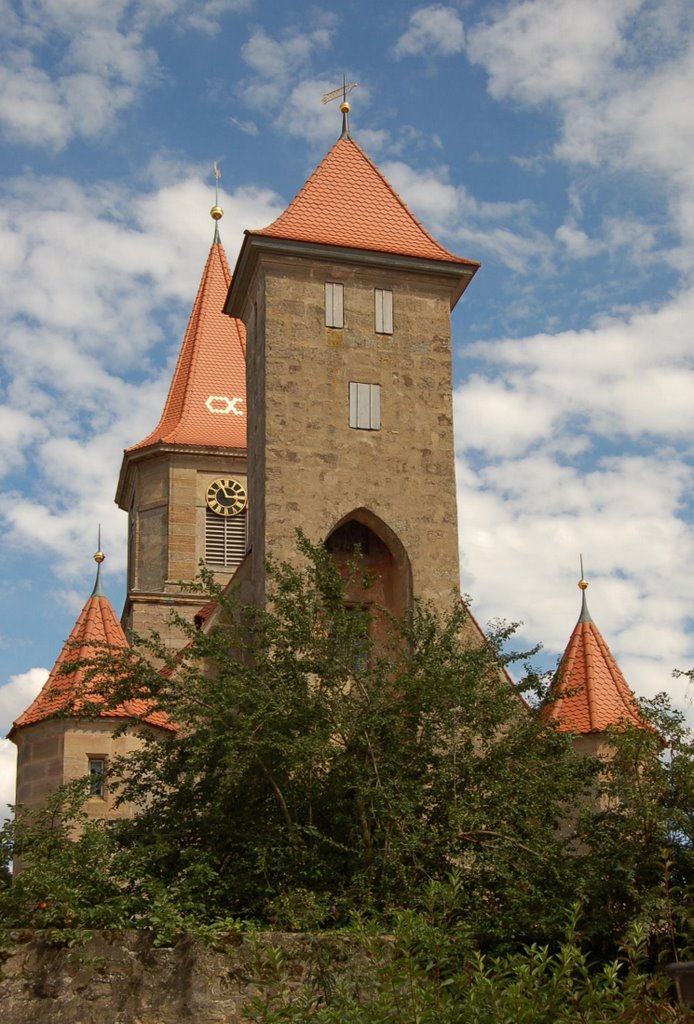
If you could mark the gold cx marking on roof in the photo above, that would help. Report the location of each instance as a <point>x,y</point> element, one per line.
<point>224,405</point>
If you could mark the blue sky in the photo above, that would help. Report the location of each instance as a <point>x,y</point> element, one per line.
<point>551,139</point>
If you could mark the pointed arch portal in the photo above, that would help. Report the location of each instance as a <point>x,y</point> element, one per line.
<point>382,556</point>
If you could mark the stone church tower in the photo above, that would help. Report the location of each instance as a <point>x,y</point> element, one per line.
<point>346,301</point>
<point>184,485</point>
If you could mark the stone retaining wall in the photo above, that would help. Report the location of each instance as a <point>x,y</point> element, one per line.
<point>121,978</point>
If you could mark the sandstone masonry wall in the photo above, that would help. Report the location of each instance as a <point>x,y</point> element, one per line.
<point>121,978</point>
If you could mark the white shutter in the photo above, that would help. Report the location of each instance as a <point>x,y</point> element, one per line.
<point>383,311</point>
<point>365,406</point>
<point>334,304</point>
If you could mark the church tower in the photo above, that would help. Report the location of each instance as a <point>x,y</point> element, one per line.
<point>184,485</point>
<point>346,300</point>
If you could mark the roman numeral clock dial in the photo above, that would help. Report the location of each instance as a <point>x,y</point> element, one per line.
<point>226,496</point>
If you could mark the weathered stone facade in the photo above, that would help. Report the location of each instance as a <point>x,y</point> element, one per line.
<point>307,467</point>
<point>163,489</point>
<point>59,750</point>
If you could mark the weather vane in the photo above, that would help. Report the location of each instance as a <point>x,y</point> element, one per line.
<point>344,106</point>
<point>216,213</point>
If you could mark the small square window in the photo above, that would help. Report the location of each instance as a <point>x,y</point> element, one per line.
<point>334,304</point>
<point>383,311</point>
<point>97,767</point>
<point>365,406</point>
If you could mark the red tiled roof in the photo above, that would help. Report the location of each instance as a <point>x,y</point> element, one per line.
<point>590,693</point>
<point>97,625</point>
<point>206,404</point>
<point>348,202</point>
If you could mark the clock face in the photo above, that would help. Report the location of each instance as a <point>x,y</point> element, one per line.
<point>226,496</point>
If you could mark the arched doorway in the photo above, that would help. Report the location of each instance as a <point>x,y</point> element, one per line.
<point>380,554</point>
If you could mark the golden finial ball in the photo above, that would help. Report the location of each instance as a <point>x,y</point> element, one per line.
<point>583,584</point>
<point>345,107</point>
<point>216,213</point>
<point>99,556</point>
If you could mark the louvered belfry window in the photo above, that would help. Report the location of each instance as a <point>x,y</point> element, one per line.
<point>225,539</point>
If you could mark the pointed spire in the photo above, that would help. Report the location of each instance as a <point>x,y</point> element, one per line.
<point>589,693</point>
<point>97,628</point>
<point>206,404</point>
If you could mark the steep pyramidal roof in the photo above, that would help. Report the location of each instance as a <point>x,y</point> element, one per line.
<point>348,202</point>
<point>206,404</point>
<point>97,625</point>
<point>589,692</point>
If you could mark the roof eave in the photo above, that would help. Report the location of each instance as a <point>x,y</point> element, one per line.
<point>149,451</point>
<point>458,273</point>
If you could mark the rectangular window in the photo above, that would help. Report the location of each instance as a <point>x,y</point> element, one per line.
<point>334,305</point>
<point>225,539</point>
<point>97,767</point>
<point>365,406</point>
<point>383,301</point>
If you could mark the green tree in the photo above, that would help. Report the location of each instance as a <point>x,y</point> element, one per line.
<point>315,771</point>
<point>317,775</point>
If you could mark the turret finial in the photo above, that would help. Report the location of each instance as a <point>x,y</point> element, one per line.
<point>216,213</point>
<point>99,557</point>
<point>583,586</point>
<point>582,583</point>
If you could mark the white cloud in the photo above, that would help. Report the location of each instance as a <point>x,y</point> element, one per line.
<point>247,127</point>
<point>15,697</point>
<point>70,67</point>
<point>276,64</point>
<point>8,774</point>
<point>205,15</point>
<point>630,378</point>
<point>548,50</point>
<point>17,694</point>
<point>102,66</point>
<point>453,215</point>
<point>576,241</point>
<point>538,485</point>
<point>619,74</point>
<point>432,30</point>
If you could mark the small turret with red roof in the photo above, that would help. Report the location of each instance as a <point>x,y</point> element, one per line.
<point>55,743</point>
<point>589,694</point>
